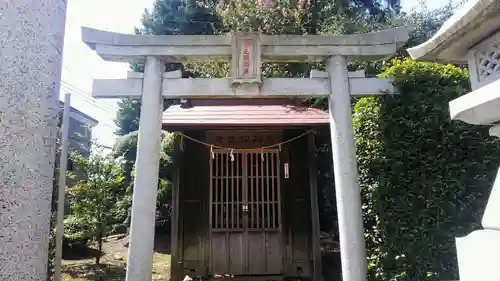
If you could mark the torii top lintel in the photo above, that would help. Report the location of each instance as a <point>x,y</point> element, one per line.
<point>179,48</point>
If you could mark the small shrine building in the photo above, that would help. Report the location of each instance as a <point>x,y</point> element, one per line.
<point>246,197</point>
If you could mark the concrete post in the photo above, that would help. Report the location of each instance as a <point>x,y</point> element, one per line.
<point>61,187</point>
<point>31,40</point>
<point>352,244</point>
<point>142,230</point>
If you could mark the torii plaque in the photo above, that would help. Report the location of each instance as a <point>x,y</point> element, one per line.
<point>245,59</point>
<point>246,52</point>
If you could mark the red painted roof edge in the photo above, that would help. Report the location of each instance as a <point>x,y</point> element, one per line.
<point>196,116</point>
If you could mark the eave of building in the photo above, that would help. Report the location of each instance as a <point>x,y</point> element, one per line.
<point>470,25</point>
<point>242,113</point>
<point>80,116</point>
<point>178,48</point>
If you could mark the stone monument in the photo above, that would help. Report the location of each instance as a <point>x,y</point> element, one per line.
<point>31,40</point>
<point>471,36</point>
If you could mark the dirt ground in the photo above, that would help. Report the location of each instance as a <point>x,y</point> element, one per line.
<point>82,267</point>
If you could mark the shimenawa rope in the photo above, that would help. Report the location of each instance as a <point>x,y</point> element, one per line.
<point>212,146</point>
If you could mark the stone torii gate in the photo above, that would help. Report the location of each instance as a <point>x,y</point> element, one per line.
<point>245,51</point>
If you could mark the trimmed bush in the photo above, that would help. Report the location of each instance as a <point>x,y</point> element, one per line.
<point>425,179</point>
<point>77,232</point>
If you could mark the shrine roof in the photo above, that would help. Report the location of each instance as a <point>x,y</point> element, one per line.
<point>474,22</point>
<point>242,112</point>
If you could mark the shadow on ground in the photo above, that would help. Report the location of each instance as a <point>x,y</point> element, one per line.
<point>93,272</point>
<point>80,253</point>
<point>162,244</point>
<point>80,265</point>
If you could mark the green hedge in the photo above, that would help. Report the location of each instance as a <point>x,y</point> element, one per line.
<point>425,179</point>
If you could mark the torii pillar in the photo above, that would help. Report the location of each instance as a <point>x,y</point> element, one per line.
<point>142,227</point>
<point>245,52</point>
<point>352,241</point>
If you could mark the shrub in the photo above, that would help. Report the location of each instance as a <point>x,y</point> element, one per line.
<point>164,205</point>
<point>425,179</point>
<point>77,231</point>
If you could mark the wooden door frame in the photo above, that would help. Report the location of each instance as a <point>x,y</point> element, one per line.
<point>313,189</point>
<point>273,154</point>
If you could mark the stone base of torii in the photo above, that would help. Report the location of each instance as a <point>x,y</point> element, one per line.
<point>245,52</point>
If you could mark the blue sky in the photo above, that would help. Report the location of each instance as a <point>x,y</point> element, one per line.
<point>81,65</point>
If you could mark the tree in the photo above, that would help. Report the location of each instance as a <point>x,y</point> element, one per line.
<point>125,149</point>
<point>302,16</point>
<point>421,24</point>
<point>174,17</point>
<point>93,200</point>
<point>425,23</point>
<point>127,116</point>
<point>168,17</point>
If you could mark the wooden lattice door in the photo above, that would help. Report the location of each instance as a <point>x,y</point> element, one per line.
<point>245,212</point>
